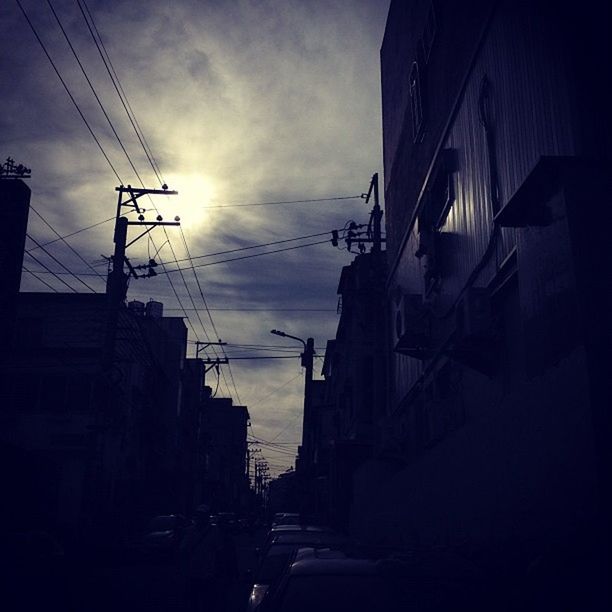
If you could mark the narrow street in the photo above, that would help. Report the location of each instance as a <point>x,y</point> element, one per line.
<point>137,586</point>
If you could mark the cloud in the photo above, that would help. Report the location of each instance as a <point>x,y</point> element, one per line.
<point>240,101</point>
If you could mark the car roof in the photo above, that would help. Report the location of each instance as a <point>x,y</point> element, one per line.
<point>422,565</point>
<point>314,562</point>
<point>298,528</point>
<point>307,537</point>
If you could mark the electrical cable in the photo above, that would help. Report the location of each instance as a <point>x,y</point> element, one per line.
<point>208,311</point>
<point>212,263</point>
<point>65,242</point>
<point>285,384</point>
<point>56,260</point>
<point>57,72</point>
<point>108,119</point>
<point>61,280</point>
<point>333,198</point>
<point>264,357</point>
<point>115,81</point>
<point>97,142</point>
<point>83,229</point>
<point>42,280</point>
<point>254,246</point>
<point>280,347</point>
<point>267,309</point>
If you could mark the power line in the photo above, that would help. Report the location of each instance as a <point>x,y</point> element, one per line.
<point>64,241</point>
<point>110,123</point>
<point>280,347</point>
<point>83,229</point>
<point>209,314</point>
<point>331,199</point>
<point>42,280</point>
<point>97,142</point>
<point>254,246</point>
<point>280,451</point>
<point>253,357</point>
<point>285,384</point>
<point>115,80</point>
<point>56,260</point>
<point>266,309</point>
<point>212,263</point>
<point>61,280</point>
<point>59,76</point>
<point>121,94</point>
<point>132,118</point>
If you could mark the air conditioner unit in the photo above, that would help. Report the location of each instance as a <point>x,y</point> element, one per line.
<point>410,324</point>
<point>474,341</point>
<point>473,314</point>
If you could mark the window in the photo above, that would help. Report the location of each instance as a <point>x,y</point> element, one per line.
<point>416,102</point>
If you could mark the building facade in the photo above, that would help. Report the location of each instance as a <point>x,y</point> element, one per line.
<point>496,147</point>
<point>223,448</point>
<point>354,370</point>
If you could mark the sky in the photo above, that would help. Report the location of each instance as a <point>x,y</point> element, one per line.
<point>239,102</point>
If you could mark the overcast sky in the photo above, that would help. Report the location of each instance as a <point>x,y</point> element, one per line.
<point>241,102</point>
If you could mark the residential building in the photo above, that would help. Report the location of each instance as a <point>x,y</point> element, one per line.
<point>223,443</point>
<point>355,381</point>
<point>496,138</point>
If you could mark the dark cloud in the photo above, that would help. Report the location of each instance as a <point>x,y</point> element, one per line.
<point>240,101</point>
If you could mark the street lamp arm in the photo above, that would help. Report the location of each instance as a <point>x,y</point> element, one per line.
<point>276,332</point>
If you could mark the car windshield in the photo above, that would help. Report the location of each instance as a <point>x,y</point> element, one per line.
<point>376,592</point>
<point>289,520</point>
<point>344,593</point>
<point>273,564</point>
<point>162,523</point>
<point>308,537</point>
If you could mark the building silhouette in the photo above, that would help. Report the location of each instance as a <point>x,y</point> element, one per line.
<point>94,443</point>
<point>223,451</point>
<point>496,140</point>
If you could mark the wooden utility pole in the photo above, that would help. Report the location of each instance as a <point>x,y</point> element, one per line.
<point>116,287</point>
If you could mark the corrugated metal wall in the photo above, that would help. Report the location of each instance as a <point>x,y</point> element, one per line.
<point>530,113</point>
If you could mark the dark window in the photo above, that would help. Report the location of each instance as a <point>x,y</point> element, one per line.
<point>416,102</point>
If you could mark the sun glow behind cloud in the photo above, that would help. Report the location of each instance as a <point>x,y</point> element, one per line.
<point>195,193</point>
<point>240,102</point>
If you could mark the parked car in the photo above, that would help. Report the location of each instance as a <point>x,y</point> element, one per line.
<point>286,518</point>
<point>164,534</point>
<point>278,551</point>
<point>286,529</point>
<point>228,521</point>
<point>329,580</point>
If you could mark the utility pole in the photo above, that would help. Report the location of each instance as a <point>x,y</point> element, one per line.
<point>102,480</point>
<point>248,465</point>
<point>374,227</point>
<point>307,360</point>
<point>116,287</point>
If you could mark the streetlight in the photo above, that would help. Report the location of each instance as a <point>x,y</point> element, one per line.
<point>307,363</point>
<point>276,332</point>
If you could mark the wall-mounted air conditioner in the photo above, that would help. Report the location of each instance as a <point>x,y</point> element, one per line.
<point>473,314</point>
<point>410,324</point>
<point>474,339</point>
